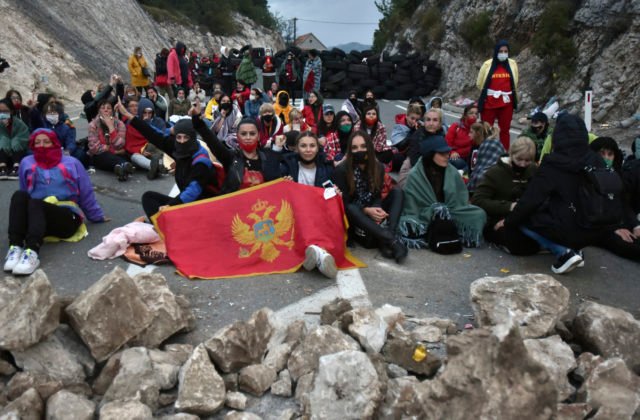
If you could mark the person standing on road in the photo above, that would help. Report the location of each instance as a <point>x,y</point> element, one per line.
<point>54,198</point>
<point>289,75</point>
<point>178,66</point>
<point>161,77</point>
<point>139,70</point>
<point>498,82</point>
<point>312,74</point>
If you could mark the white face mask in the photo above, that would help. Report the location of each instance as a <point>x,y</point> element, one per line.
<point>253,97</point>
<point>52,118</point>
<point>503,56</point>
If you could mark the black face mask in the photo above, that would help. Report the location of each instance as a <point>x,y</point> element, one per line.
<point>186,149</point>
<point>359,157</point>
<point>283,100</point>
<point>518,170</point>
<point>226,106</point>
<point>267,117</point>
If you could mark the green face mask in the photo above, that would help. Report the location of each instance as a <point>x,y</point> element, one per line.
<point>345,128</point>
<point>608,162</point>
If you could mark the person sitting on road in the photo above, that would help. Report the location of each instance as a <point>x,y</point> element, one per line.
<point>459,139</point>
<point>197,93</point>
<point>36,115</point>
<point>195,174</point>
<point>160,104</point>
<point>312,111</point>
<point>406,124</point>
<point>538,131</point>
<point>106,137</point>
<point>631,177</point>
<point>373,219</point>
<point>489,150</point>
<point>240,94</point>
<point>55,197</point>
<point>14,137</point>
<point>90,99</point>
<point>282,107</point>
<point>256,99</point>
<point>225,122</point>
<point>436,103</point>
<point>374,127</point>
<point>550,211</point>
<point>307,165</point>
<point>20,110</point>
<point>416,100</point>
<point>499,191</point>
<point>179,105</point>
<point>269,125</point>
<point>352,106</point>
<point>249,164</point>
<point>64,129</point>
<point>328,125</point>
<point>212,105</point>
<point>435,195</point>
<point>336,146</point>
<point>296,122</point>
<point>142,153</point>
<point>368,102</point>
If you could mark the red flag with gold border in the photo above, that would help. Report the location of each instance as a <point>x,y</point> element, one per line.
<point>261,230</point>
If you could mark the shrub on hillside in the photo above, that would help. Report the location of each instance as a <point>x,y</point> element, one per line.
<point>475,31</point>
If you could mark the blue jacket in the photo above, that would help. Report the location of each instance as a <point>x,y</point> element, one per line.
<point>252,108</point>
<point>66,134</point>
<point>290,167</point>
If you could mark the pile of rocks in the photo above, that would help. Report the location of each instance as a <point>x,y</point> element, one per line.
<point>98,354</point>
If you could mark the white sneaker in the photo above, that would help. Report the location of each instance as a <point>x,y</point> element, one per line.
<point>316,257</point>
<point>29,262</point>
<point>12,258</point>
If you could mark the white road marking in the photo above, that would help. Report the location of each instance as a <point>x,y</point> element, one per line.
<point>404,108</point>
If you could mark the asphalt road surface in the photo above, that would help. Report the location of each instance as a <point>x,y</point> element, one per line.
<point>426,284</point>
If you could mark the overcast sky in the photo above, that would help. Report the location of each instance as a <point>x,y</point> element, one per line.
<point>331,11</point>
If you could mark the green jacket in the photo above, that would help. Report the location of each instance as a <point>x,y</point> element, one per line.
<point>539,142</point>
<point>17,140</point>
<point>246,71</point>
<point>500,187</point>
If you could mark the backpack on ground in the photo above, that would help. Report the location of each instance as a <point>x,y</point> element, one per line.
<point>599,198</point>
<point>442,236</point>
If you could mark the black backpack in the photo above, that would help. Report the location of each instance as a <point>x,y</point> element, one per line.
<point>161,65</point>
<point>599,198</point>
<point>442,236</point>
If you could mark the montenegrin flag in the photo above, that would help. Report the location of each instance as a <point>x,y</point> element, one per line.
<point>261,230</point>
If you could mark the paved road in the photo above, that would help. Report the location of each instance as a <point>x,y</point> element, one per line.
<point>426,284</point>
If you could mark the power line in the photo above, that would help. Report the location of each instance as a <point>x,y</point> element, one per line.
<point>337,23</point>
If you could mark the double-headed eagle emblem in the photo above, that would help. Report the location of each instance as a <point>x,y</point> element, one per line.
<point>265,234</point>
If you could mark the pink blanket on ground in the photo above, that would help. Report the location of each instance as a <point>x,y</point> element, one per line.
<point>116,242</point>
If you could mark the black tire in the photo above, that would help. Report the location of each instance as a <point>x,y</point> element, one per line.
<point>401,79</point>
<point>338,77</point>
<point>395,95</point>
<point>369,83</point>
<point>407,64</point>
<point>358,68</point>
<point>389,84</point>
<point>398,58</point>
<point>379,91</point>
<point>336,65</point>
<point>402,72</point>
<point>366,53</point>
<point>338,52</point>
<point>385,65</point>
<point>356,53</point>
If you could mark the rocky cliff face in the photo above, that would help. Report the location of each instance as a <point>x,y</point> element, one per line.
<point>605,33</point>
<point>67,46</point>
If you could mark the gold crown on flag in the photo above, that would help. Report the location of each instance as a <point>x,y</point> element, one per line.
<point>260,205</point>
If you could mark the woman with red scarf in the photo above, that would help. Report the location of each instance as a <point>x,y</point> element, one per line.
<point>498,80</point>
<point>459,138</point>
<point>54,198</point>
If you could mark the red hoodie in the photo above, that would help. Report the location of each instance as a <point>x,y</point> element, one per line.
<point>459,139</point>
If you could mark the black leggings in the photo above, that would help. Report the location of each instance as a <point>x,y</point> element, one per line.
<point>516,242</point>
<point>11,158</point>
<point>618,246</point>
<point>31,219</point>
<point>152,201</point>
<point>107,161</point>
<point>392,204</point>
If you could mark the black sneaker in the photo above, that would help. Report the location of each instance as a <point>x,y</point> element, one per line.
<point>567,262</point>
<point>400,251</point>
<point>154,168</point>
<point>4,172</point>
<point>128,169</point>
<point>13,173</point>
<point>120,173</point>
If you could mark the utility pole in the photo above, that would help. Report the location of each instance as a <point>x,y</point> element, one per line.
<point>295,19</point>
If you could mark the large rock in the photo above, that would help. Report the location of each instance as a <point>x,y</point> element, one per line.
<point>535,302</point>
<point>201,389</point>
<point>23,381</point>
<point>236,400</point>
<point>614,390</point>
<point>610,332</point>
<point>242,343</point>
<point>53,358</point>
<point>166,367</point>
<point>400,349</point>
<point>333,311</point>
<point>488,375</point>
<point>241,415</point>
<point>135,379</point>
<point>400,401</point>
<point>65,405</point>
<point>367,327</point>
<point>346,387</point>
<point>28,406</point>
<point>109,314</point>
<point>130,410</point>
<point>557,357</point>
<point>278,356</point>
<point>283,386</point>
<point>171,313</point>
<point>29,311</point>
<point>256,379</point>
<point>318,342</point>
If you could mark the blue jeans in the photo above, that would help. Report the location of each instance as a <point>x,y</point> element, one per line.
<point>459,164</point>
<point>554,248</point>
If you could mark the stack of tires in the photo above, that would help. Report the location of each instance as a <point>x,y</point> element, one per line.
<point>396,76</point>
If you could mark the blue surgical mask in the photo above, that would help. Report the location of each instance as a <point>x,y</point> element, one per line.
<point>503,56</point>
<point>4,116</point>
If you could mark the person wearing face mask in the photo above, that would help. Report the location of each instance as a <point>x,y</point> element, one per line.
<point>212,105</point>
<point>500,189</point>
<point>312,111</point>
<point>225,122</point>
<point>289,75</point>
<point>489,151</point>
<point>368,102</point>
<point>256,99</point>
<point>195,174</point>
<point>458,137</point>
<point>374,127</point>
<point>142,153</point>
<point>498,83</point>
<point>179,105</point>
<point>64,129</point>
<point>54,199</point>
<point>139,70</point>
<point>36,115</point>
<point>106,140</point>
<point>336,145</point>
<point>282,107</point>
<point>538,131</point>
<point>197,93</point>
<point>14,136</point>
<point>160,104</point>
<point>352,106</point>
<point>437,201</point>
<point>373,219</point>
<point>20,110</point>
<point>269,125</point>
<point>296,122</point>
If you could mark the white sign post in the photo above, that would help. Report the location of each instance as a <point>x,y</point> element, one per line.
<point>588,106</point>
